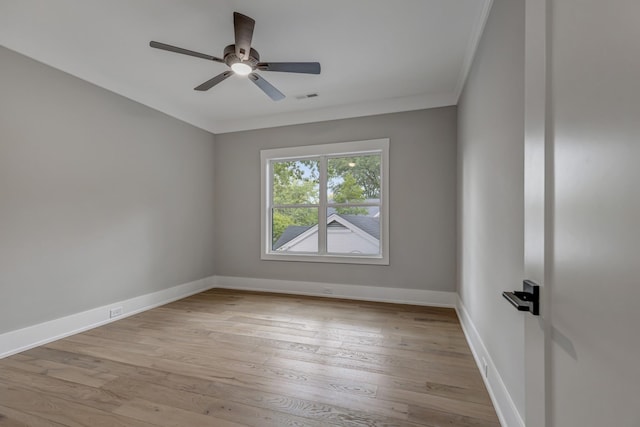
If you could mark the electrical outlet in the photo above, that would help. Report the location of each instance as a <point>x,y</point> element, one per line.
<point>115,312</point>
<point>327,291</point>
<point>485,368</point>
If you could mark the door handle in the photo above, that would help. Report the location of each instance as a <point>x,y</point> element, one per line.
<point>526,300</point>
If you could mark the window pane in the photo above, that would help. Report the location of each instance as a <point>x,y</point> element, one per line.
<point>295,182</point>
<point>353,230</point>
<point>353,179</point>
<point>294,230</point>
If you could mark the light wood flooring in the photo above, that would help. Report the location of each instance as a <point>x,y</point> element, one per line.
<point>228,358</point>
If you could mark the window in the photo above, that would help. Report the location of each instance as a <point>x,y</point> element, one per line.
<point>326,203</point>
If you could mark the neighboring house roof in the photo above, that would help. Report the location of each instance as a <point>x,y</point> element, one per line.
<point>367,224</point>
<point>290,233</point>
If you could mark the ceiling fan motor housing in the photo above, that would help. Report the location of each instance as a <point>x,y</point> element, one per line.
<point>230,57</point>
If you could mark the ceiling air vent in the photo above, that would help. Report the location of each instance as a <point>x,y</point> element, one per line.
<point>309,95</point>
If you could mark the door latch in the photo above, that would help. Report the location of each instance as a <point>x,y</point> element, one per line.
<point>526,300</point>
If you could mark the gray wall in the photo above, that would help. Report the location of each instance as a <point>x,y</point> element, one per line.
<point>422,194</point>
<point>101,198</point>
<point>491,192</point>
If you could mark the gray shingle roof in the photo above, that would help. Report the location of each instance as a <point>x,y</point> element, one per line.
<point>367,224</point>
<point>290,233</point>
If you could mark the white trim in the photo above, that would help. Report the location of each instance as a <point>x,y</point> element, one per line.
<point>502,401</point>
<point>472,48</point>
<point>332,259</point>
<point>337,112</point>
<point>354,292</point>
<point>19,340</point>
<point>13,342</point>
<point>317,150</point>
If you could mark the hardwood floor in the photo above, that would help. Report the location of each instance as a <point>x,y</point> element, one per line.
<point>229,358</point>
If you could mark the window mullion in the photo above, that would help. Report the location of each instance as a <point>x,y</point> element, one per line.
<point>322,209</point>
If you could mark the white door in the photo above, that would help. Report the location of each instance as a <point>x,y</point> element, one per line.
<point>582,220</point>
<point>594,352</point>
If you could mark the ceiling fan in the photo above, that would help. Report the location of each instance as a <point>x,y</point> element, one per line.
<point>244,60</point>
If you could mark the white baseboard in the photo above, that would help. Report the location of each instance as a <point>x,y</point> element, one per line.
<point>23,339</point>
<point>32,336</point>
<point>502,401</point>
<point>13,342</point>
<point>335,290</point>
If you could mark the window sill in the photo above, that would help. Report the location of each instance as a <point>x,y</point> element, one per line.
<point>334,259</point>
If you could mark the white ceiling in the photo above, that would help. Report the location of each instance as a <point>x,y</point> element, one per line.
<point>377,56</point>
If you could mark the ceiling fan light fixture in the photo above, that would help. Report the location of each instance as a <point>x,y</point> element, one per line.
<point>241,68</point>
<point>244,60</point>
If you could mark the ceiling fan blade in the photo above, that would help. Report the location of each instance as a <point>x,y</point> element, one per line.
<point>291,67</point>
<point>175,49</point>
<point>214,81</point>
<point>243,26</point>
<point>266,87</point>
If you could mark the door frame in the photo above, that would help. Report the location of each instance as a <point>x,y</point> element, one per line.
<point>538,226</point>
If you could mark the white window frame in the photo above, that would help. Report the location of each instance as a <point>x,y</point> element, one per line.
<point>322,151</point>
